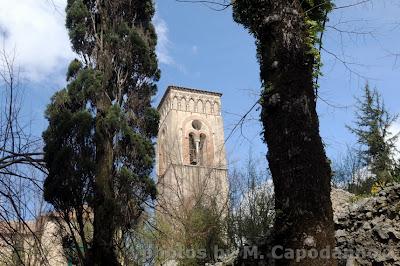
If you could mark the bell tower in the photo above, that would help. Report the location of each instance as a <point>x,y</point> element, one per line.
<point>191,160</point>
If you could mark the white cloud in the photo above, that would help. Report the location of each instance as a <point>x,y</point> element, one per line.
<point>164,43</point>
<point>36,30</point>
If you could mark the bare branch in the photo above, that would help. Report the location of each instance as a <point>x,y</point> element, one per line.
<point>21,166</point>
<point>353,5</point>
<point>216,6</point>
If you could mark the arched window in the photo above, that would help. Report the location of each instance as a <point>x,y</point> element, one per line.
<point>208,108</point>
<point>197,145</point>
<point>216,108</point>
<point>200,107</point>
<point>182,104</point>
<point>175,103</point>
<point>191,107</point>
<point>192,149</point>
<point>202,149</point>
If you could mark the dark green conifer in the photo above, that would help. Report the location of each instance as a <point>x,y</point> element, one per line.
<point>98,145</point>
<point>378,144</point>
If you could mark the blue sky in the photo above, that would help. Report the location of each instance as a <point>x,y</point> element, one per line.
<point>211,51</point>
<point>202,48</point>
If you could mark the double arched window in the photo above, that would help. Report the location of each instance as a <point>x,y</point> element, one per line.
<point>197,144</point>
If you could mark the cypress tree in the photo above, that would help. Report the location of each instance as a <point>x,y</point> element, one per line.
<point>98,145</point>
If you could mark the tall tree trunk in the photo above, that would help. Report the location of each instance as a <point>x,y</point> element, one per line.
<point>104,252</point>
<point>300,169</point>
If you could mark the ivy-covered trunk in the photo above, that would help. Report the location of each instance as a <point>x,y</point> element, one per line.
<point>299,167</point>
<point>301,172</point>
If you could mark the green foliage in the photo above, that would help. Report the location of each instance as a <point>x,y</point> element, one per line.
<point>362,187</point>
<point>372,128</point>
<point>83,88</point>
<point>69,154</point>
<point>73,69</point>
<point>78,19</point>
<point>359,197</point>
<point>204,229</point>
<point>317,9</point>
<point>107,100</point>
<point>151,116</point>
<point>371,164</point>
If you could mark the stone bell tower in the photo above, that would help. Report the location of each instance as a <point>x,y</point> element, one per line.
<point>191,160</point>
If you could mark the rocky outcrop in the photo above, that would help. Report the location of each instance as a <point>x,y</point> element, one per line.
<point>368,230</point>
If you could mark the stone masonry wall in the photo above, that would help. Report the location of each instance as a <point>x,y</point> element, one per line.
<point>367,229</point>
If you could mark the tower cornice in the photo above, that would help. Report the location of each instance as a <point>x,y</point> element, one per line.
<point>189,90</point>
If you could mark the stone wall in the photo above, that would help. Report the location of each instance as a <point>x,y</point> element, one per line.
<point>42,244</point>
<point>369,229</point>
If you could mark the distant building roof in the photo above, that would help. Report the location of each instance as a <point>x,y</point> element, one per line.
<point>186,90</point>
